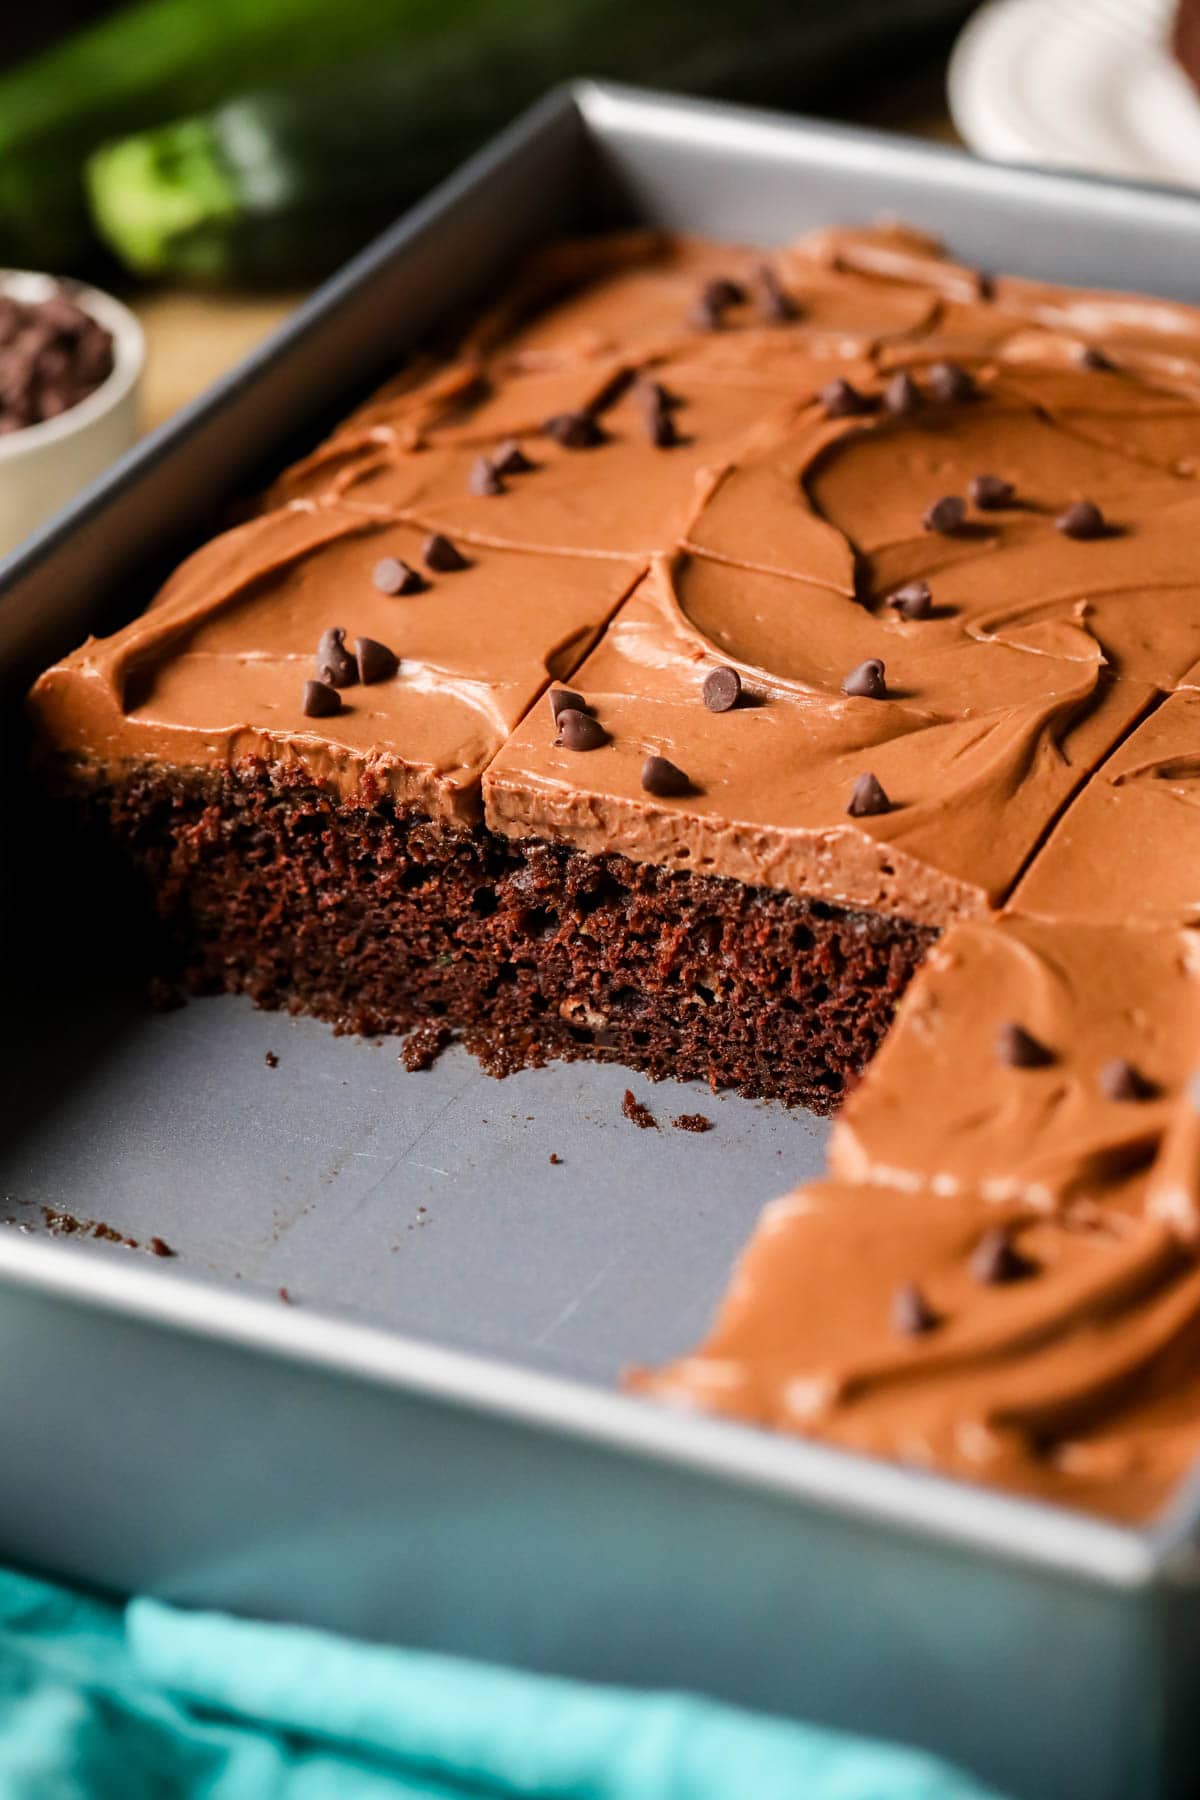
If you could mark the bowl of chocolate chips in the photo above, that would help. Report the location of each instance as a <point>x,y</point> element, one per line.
<point>70,369</point>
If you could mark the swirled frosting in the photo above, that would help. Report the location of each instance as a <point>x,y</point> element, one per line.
<point>756,531</point>
<point>1076,1382</point>
<point>932,536</point>
<point>943,1109</point>
<point>1002,1279</point>
<point>214,671</point>
<point>1127,852</point>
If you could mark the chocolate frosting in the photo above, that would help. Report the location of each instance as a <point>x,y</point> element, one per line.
<point>653,461</point>
<point>1128,850</point>
<point>941,1109</point>
<point>977,745</point>
<point>214,671</point>
<point>1077,1382</point>
<point>764,535</point>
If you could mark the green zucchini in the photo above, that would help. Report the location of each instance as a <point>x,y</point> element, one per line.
<point>281,183</point>
<point>153,62</point>
<point>280,187</point>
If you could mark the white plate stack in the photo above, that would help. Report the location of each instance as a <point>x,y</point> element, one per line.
<point>1086,84</point>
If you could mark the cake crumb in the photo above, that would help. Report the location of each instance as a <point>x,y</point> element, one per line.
<point>65,1224</point>
<point>109,1234</point>
<point>555,1157</point>
<point>637,1113</point>
<point>271,1060</point>
<point>423,1046</point>
<point>692,1122</point>
<point>286,1297</point>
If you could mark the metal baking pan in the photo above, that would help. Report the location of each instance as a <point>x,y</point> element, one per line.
<point>428,1444</point>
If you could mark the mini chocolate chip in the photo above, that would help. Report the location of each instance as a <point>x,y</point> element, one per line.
<point>1082,519</point>
<point>707,313</point>
<point>913,600</point>
<point>483,478</point>
<point>320,700</point>
<point>159,1247</point>
<point>912,1314</point>
<point>867,798</point>
<point>574,430</point>
<point>610,393</point>
<point>722,689</point>
<point>653,395</point>
<point>660,427</point>
<point>510,459</point>
<point>578,730</point>
<point>722,292</point>
<point>866,682</point>
<point>1017,1048</point>
<point>902,396</point>
<point>440,555</point>
<point>54,363</point>
<point>54,356</point>
<point>1092,358</point>
<point>562,698</point>
<point>335,664</point>
<point>94,354</point>
<point>62,315</point>
<point>990,492</point>
<point>774,302</point>
<point>842,400</point>
<point>945,515</point>
<point>391,576</point>
<point>375,661</point>
<point>949,381</point>
<point>1120,1080</point>
<point>663,779</point>
<point>996,1260</point>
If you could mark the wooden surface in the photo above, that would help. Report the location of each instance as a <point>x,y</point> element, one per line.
<point>193,338</point>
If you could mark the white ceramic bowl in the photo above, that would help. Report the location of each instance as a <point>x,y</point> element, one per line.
<point>43,466</point>
<point>1086,84</point>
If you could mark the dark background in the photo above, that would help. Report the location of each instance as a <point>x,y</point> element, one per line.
<point>904,92</point>
<point>28,27</point>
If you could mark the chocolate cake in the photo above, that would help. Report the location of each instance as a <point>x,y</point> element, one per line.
<point>662,678</point>
<point>1016,1185</point>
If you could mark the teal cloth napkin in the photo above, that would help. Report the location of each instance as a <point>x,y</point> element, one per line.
<point>99,1701</point>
